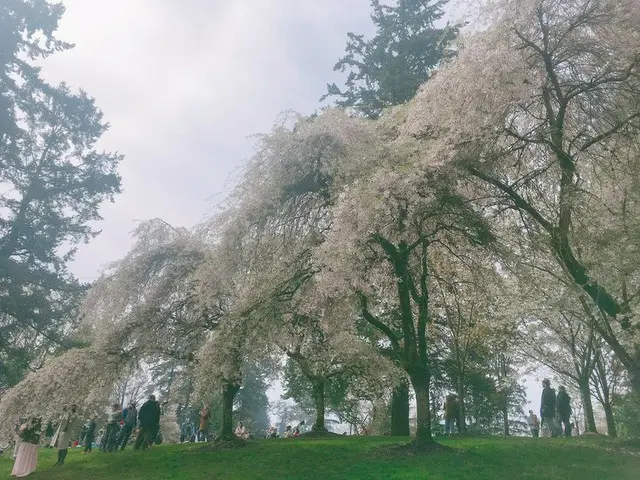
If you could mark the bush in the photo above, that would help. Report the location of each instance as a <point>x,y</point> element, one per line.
<point>627,416</point>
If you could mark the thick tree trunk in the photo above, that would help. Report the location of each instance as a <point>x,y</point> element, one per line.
<point>634,376</point>
<point>229,391</point>
<point>423,415</point>
<point>462,414</point>
<point>589,419</point>
<point>318,398</point>
<point>612,431</point>
<point>400,411</point>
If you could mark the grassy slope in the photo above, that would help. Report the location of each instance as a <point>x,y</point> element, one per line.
<point>352,458</point>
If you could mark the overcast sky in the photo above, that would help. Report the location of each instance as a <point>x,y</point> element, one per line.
<point>183,84</point>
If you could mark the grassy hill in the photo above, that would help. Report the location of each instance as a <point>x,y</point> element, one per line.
<point>352,458</point>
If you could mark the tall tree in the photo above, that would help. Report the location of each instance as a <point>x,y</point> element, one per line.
<point>606,381</point>
<point>52,180</point>
<point>551,131</point>
<point>253,404</point>
<point>388,69</point>
<point>385,71</point>
<point>389,228</point>
<point>27,32</point>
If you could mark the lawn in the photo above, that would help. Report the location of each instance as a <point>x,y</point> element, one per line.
<point>352,458</point>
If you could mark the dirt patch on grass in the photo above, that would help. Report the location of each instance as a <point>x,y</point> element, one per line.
<point>225,444</point>
<point>414,448</point>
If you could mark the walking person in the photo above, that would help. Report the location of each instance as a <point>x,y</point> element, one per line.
<point>62,437</point>
<point>563,409</point>
<point>534,424</point>
<point>89,435</point>
<point>130,421</point>
<point>149,419</point>
<point>548,408</point>
<point>27,454</point>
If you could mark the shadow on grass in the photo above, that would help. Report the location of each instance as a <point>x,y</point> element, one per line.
<point>414,448</point>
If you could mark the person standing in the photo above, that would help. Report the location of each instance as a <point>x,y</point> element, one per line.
<point>89,435</point>
<point>130,421</point>
<point>27,455</point>
<point>548,407</point>
<point>450,413</point>
<point>62,436</point>
<point>149,419</point>
<point>205,418</point>
<point>564,410</point>
<point>111,433</point>
<point>534,424</point>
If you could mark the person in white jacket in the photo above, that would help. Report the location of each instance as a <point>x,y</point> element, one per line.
<point>62,436</point>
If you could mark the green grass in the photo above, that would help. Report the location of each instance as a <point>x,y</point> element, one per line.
<point>353,458</point>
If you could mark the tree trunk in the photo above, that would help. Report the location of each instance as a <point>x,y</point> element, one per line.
<point>318,398</point>
<point>229,391</point>
<point>612,431</point>
<point>462,414</point>
<point>589,419</point>
<point>634,377</point>
<point>400,411</point>
<point>505,415</point>
<point>423,415</point>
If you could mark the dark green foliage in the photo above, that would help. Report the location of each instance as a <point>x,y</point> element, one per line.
<point>299,388</point>
<point>252,401</point>
<point>52,182</point>
<point>388,69</point>
<point>627,415</point>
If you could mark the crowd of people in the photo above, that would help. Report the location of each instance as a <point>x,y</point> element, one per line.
<point>120,425</point>
<point>289,432</point>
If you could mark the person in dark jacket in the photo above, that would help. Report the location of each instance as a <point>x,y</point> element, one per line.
<point>130,421</point>
<point>548,407</point>
<point>563,407</point>
<point>89,436</point>
<point>149,419</point>
<point>451,411</point>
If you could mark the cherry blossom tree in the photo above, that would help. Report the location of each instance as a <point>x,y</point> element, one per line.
<point>145,308</point>
<point>541,108</point>
<point>387,225</point>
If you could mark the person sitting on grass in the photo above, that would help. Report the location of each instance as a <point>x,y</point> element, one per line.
<point>241,431</point>
<point>287,432</point>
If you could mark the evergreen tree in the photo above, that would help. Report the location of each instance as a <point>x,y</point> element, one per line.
<point>388,69</point>
<point>253,404</point>
<point>52,182</point>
